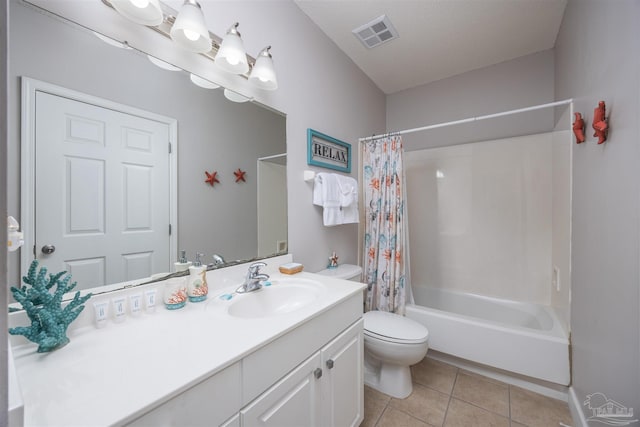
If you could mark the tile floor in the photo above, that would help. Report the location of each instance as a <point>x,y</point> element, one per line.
<point>444,395</point>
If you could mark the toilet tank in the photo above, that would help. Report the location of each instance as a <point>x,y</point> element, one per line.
<point>343,271</point>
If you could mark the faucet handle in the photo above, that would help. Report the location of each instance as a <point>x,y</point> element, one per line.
<point>256,266</point>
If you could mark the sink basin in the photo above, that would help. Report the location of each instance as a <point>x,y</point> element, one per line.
<point>278,299</point>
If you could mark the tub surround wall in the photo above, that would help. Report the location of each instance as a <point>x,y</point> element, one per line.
<point>598,58</point>
<point>482,217</point>
<point>561,142</point>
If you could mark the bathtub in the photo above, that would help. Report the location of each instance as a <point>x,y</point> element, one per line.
<point>524,338</point>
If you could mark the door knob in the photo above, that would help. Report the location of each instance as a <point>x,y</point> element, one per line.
<point>330,363</point>
<point>48,249</point>
<point>317,373</point>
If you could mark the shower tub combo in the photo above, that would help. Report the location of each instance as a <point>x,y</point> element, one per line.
<point>524,338</point>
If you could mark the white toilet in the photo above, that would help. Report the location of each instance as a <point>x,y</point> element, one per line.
<point>392,343</point>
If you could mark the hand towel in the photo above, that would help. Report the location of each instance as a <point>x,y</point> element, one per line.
<point>338,196</point>
<point>326,193</point>
<point>348,199</point>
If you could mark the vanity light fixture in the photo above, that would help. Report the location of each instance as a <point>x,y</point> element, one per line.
<point>235,96</point>
<point>189,30</point>
<point>164,65</point>
<point>203,83</point>
<point>145,12</point>
<point>110,41</point>
<point>231,56</point>
<point>263,74</point>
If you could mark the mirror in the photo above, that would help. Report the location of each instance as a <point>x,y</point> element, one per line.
<point>213,135</point>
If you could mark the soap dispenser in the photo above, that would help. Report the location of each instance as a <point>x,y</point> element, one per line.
<point>197,288</point>
<point>182,264</point>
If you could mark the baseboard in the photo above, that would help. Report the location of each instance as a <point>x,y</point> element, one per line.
<point>575,408</point>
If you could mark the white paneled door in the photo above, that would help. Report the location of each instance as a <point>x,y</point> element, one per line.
<point>102,192</point>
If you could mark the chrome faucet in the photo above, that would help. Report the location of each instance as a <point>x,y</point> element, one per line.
<point>217,261</point>
<point>253,278</point>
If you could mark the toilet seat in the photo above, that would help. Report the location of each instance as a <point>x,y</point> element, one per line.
<point>394,328</point>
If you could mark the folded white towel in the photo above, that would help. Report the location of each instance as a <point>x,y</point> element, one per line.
<point>348,190</point>
<point>338,196</point>
<point>350,214</point>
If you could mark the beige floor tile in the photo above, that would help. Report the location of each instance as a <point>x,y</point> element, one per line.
<point>374,405</point>
<point>462,414</point>
<point>536,410</point>
<point>373,409</point>
<point>375,394</point>
<point>482,391</point>
<point>394,418</point>
<point>437,375</point>
<point>515,424</point>
<point>424,403</point>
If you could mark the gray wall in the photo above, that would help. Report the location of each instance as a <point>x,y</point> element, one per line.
<point>518,83</point>
<point>213,133</point>
<point>598,58</point>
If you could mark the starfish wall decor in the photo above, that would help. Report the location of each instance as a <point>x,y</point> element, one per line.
<point>240,175</point>
<point>212,178</point>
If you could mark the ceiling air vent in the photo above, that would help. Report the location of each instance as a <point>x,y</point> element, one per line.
<point>376,32</point>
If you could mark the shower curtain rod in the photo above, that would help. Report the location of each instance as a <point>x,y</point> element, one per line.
<point>471,119</point>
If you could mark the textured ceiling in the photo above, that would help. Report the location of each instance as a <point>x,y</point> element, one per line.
<point>437,38</point>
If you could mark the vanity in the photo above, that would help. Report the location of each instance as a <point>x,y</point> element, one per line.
<point>297,363</point>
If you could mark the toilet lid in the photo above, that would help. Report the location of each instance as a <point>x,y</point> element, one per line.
<point>393,327</point>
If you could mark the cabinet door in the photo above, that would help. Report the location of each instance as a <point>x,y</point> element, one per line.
<point>291,402</point>
<point>343,382</point>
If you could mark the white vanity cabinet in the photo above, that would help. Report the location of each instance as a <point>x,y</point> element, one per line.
<point>310,376</point>
<point>325,390</point>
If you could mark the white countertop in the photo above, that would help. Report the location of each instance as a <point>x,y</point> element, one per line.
<point>115,374</point>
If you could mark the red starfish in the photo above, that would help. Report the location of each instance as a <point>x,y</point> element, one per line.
<point>211,178</point>
<point>240,175</point>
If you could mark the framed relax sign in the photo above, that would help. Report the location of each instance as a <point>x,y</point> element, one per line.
<point>328,152</point>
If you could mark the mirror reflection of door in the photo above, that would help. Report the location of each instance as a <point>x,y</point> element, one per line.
<point>101,191</point>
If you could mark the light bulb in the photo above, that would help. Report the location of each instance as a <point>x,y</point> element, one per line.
<point>231,55</point>
<point>233,59</point>
<point>145,12</point>
<point>191,35</point>
<point>189,30</point>
<point>262,74</point>
<point>140,3</point>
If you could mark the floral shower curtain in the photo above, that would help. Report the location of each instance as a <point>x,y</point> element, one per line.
<point>385,240</point>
